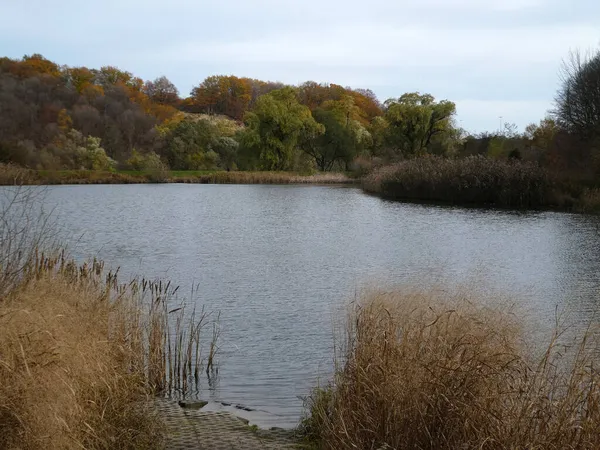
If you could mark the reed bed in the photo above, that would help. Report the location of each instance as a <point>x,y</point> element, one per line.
<point>471,180</point>
<point>425,371</point>
<point>51,177</point>
<point>265,178</point>
<point>13,175</point>
<point>81,356</point>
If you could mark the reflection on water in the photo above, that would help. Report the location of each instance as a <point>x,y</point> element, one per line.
<point>279,262</point>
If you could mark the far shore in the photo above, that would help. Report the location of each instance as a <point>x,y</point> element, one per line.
<point>532,190</point>
<point>58,177</point>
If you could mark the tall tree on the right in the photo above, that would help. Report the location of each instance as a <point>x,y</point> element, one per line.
<point>577,108</point>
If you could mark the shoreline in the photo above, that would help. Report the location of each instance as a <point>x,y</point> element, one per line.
<point>28,177</point>
<point>81,177</point>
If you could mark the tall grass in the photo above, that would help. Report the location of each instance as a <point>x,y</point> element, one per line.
<point>11,175</point>
<point>222,177</point>
<point>470,180</point>
<point>164,176</point>
<point>81,354</point>
<point>424,372</point>
<point>25,226</point>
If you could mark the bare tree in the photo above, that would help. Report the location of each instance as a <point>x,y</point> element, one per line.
<point>162,91</point>
<point>577,108</point>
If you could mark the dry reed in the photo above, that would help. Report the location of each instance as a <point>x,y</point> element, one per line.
<point>11,175</point>
<point>81,355</point>
<point>265,178</point>
<point>47,177</point>
<point>424,372</point>
<point>471,180</point>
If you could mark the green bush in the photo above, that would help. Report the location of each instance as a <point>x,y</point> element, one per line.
<point>150,164</point>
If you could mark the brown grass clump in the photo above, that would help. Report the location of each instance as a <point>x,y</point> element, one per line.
<point>420,372</point>
<point>81,357</point>
<point>471,180</point>
<point>88,177</point>
<point>264,178</point>
<point>66,381</point>
<point>11,174</point>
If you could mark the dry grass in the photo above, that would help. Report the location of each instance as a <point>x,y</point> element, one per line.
<point>51,177</point>
<point>471,180</point>
<point>81,355</point>
<point>14,175</point>
<point>11,174</point>
<point>265,178</point>
<point>424,372</point>
<point>25,226</point>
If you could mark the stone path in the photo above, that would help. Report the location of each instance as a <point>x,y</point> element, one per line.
<point>195,429</point>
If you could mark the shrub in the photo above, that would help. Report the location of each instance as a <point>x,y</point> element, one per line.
<point>151,164</point>
<point>420,371</point>
<point>469,180</point>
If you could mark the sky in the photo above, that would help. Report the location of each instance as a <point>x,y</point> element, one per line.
<point>497,60</point>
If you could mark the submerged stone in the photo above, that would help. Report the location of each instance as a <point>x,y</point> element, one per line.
<point>193,404</point>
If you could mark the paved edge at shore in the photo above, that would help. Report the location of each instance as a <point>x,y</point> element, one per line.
<point>195,429</point>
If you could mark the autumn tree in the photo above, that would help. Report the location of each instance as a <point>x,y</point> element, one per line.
<point>276,126</point>
<point>414,120</point>
<point>367,103</point>
<point>313,94</point>
<point>36,64</point>
<point>219,94</point>
<point>259,88</point>
<point>111,76</point>
<point>541,135</point>
<point>79,78</point>
<point>162,91</point>
<point>40,102</point>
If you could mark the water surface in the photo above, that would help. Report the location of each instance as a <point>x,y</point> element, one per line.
<point>280,261</point>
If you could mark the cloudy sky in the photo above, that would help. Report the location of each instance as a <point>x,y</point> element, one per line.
<point>493,58</point>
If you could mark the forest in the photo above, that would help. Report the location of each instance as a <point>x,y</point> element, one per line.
<point>55,117</point>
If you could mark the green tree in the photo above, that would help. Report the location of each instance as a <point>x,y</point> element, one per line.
<point>413,120</point>
<point>147,161</point>
<point>342,140</point>
<point>187,142</point>
<point>227,150</point>
<point>276,126</point>
<point>89,152</point>
<point>333,145</point>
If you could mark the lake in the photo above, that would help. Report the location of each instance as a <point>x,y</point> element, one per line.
<point>281,262</point>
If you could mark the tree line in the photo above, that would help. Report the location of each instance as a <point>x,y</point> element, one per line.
<point>58,117</point>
